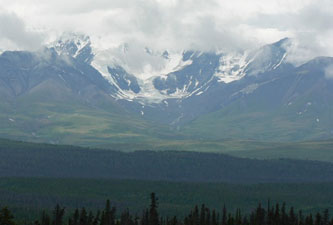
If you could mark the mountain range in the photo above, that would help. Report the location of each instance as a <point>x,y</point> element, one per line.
<point>75,93</point>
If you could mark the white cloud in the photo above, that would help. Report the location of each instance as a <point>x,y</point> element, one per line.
<point>14,33</point>
<point>329,72</point>
<point>310,27</point>
<point>176,24</point>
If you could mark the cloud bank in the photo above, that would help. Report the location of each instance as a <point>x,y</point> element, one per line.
<point>14,34</point>
<point>173,24</point>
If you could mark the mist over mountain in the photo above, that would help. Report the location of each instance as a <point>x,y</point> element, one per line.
<point>196,103</point>
<point>71,87</point>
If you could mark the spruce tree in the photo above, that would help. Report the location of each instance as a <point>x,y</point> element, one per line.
<point>214,218</point>
<point>224,215</point>
<point>202,215</point>
<point>45,219</point>
<point>58,215</point>
<point>76,217</point>
<point>6,217</point>
<point>153,214</point>
<point>83,217</point>
<point>108,217</point>
<point>326,217</point>
<point>318,220</point>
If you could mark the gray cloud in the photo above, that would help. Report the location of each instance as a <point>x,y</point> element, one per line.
<point>177,25</point>
<point>310,27</point>
<point>13,31</point>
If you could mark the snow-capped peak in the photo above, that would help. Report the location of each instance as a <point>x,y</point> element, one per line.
<point>232,67</point>
<point>268,57</point>
<point>71,44</point>
<point>142,64</point>
<point>147,75</point>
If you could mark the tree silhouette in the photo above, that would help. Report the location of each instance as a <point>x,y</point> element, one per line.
<point>6,217</point>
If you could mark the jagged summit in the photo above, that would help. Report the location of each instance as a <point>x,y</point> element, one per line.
<point>148,76</point>
<point>75,45</point>
<point>193,72</point>
<point>213,94</point>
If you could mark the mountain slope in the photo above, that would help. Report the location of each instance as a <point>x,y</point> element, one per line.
<point>72,92</point>
<point>295,105</point>
<point>205,79</point>
<point>57,98</point>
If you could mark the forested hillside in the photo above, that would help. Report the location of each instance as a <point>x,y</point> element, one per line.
<point>18,159</point>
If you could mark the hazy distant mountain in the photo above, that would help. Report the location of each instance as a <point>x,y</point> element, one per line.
<point>61,99</point>
<point>253,94</point>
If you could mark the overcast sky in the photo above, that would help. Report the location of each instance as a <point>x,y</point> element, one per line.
<point>170,24</point>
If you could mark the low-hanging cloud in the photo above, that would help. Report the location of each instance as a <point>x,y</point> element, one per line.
<point>14,33</point>
<point>310,27</point>
<point>329,72</point>
<point>177,24</point>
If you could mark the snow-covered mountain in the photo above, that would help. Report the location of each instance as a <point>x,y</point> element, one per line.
<point>75,45</point>
<point>149,76</point>
<point>253,94</point>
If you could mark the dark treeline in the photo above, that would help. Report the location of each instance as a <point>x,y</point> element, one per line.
<point>20,159</point>
<point>199,215</point>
